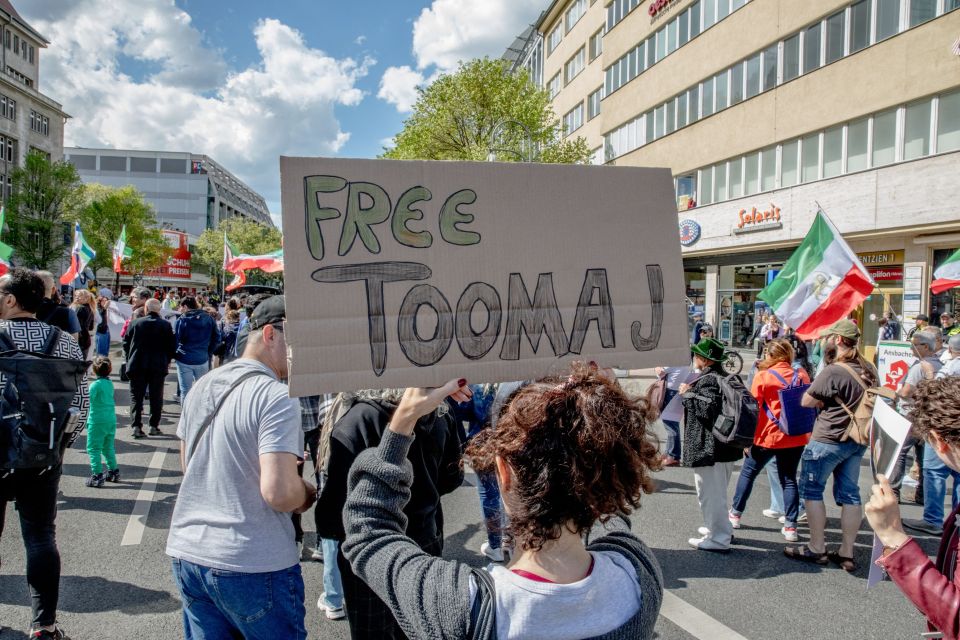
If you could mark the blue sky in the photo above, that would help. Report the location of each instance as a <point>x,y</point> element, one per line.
<point>246,81</point>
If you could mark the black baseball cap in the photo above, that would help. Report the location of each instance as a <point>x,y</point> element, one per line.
<point>270,311</point>
<point>922,316</point>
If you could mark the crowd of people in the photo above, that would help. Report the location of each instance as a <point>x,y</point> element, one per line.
<point>561,464</point>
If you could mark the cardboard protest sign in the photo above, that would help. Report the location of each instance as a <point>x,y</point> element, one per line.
<point>894,359</point>
<point>412,273</point>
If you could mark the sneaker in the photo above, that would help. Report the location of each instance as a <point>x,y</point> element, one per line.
<point>95,481</point>
<point>923,526</point>
<point>770,513</point>
<point>138,433</point>
<point>789,534</point>
<point>113,475</point>
<point>43,634</point>
<point>803,517</point>
<point>703,531</point>
<point>155,431</point>
<point>494,554</point>
<point>704,544</point>
<point>332,613</point>
<point>734,520</point>
<point>317,555</point>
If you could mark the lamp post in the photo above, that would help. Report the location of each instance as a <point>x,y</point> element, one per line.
<point>498,131</point>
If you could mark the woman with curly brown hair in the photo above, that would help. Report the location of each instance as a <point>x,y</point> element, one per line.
<point>568,453</point>
<point>934,588</point>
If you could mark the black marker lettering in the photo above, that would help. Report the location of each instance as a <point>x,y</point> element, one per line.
<point>476,344</point>
<point>314,186</point>
<point>360,218</point>
<point>420,351</point>
<point>533,318</point>
<point>587,312</point>
<point>655,284</point>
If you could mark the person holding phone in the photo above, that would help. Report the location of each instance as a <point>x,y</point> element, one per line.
<point>933,587</point>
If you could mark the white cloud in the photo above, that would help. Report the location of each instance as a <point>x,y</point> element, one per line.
<point>398,86</point>
<point>245,119</point>
<point>449,31</point>
<point>360,40</point>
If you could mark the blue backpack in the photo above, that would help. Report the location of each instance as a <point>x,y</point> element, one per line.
<point>795,419</point>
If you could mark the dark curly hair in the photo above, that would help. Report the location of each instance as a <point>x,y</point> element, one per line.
<point>102,366</point>
<point>936,407</point>
<point>580,451</point>
<point>26,286</point>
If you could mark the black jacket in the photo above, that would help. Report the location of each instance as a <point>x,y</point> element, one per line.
<point>434,456</point>
<point>149,345</point>
<point>702,404</point>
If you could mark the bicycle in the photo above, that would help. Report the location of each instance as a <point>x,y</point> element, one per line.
<point>733,365</point>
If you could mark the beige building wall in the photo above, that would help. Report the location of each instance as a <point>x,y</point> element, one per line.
<point>588,80</point>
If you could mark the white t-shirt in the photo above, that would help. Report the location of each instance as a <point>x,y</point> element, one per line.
<point>221,520</point>
<point>601,602</point>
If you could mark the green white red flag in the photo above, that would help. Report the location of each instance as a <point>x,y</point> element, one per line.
<point>239,279</point>
<point>822,282</point>
<point>269,262</point>
<point>81,255</point>
<point>6,251</point>
<point>947,275</point>
<point>121,251</point>
<point>229,251</point>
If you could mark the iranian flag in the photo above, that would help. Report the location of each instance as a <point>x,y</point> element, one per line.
<point>121,251</point>
<point>229,251</point>
<point>269,262</point>
<point>947,276</point>
<point>81,255</point>
<point>238,281</point>
<point>822,282</point>
<point>6,251</point>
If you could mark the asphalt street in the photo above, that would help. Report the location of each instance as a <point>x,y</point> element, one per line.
<point>116,579</point>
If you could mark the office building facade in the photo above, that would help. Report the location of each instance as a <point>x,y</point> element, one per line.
<point>767,111</point>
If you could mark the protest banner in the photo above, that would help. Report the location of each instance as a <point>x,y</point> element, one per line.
<point>894,359</point>
<point>403,273</point>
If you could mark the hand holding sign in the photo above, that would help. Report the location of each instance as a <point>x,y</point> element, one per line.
<point>883,513</point>
<point>417,403</point>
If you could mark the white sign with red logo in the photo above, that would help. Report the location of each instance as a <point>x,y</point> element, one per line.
<point>894,359</point>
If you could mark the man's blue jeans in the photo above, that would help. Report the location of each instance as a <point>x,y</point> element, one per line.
<point>225,604</point>
<point>187,374</point>
<point>489,491</point>
<point>331,574</point>
<point>673,430</point>
<point>935,477</point>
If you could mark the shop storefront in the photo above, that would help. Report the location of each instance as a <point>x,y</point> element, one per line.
<point>899,229</point>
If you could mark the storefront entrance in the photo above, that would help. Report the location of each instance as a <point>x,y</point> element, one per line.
<point>738,307</point>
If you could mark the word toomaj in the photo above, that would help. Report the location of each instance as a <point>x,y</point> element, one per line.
<point>531,317</point>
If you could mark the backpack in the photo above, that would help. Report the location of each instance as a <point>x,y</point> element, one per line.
<point>657,394</point>
<point>861,416</point>
<point>35,411</point>
<point>737,423</point>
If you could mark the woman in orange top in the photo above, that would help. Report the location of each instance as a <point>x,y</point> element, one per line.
<point>775,373</point>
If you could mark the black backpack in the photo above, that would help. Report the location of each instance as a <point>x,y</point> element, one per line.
<point>35,410</point>
<point>737,423</point>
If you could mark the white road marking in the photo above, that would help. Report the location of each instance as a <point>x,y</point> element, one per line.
<point>141,508</point>
<point>693,621</point>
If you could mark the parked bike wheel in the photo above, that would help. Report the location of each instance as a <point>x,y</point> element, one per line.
<point>733,365</point>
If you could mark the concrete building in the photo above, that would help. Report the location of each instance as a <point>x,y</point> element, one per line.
<point>766,111</point>
<point>189,193</point>
<point>28,118</point>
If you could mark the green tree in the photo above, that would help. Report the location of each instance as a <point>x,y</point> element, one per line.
<point>483,109</point>
<point>247,237</point>
<point>44,196</point>
<point>103,213</point>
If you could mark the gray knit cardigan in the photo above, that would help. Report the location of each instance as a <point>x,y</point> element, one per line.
<point>429,596</point>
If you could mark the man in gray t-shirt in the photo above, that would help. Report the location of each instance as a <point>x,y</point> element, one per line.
<point>231,537</point>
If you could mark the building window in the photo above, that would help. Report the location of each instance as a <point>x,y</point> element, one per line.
<point>884,138</point>
<point>686,192</point>
<point>593,103</point>
<point>706,102</point>
<point>720,182</point>
<point>661,44</point>
<point>920,11</point>
<point>791,58</point>
<point>684,26</point>
<point>681,110</point>
<point>31,54</point>
<point>768,169</point>
<point>811,48</point>
<point>553,87</point>
<point>721,88</point>
<point>8,107</point>
<point>705,192</point>
<point>860,20</point>
<point>16,45</point>
<point>753,76</point>
<point>835,29</point>
<point>789,164</point>
<point>723,9</point>
<point>736,84</point>
<point>832,152</point>
<point>857,145</point>
<point>916,131</point>
<point>888,18</point>
<point>596,45</point>
<point>573,119</point>
<point>948,123</point>
<point>810,158</point>
<point>693,104</point>
<point>574,13</point>
<point>574,66</point>
<point>736,178</point>
<point>39,123</point>
<point>672,36</point>
<point>709,13</point>
<point>6,37</point>
<point>770,68</point>
<point>8,149</point>
<point>751,173</point>
<point>554,39</point>
<point>695,13</point>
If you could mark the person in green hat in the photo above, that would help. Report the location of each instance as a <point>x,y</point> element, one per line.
<point>712,461</point>
<point>830,452</point>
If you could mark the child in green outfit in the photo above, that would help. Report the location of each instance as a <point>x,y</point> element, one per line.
<point>102,425</point>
